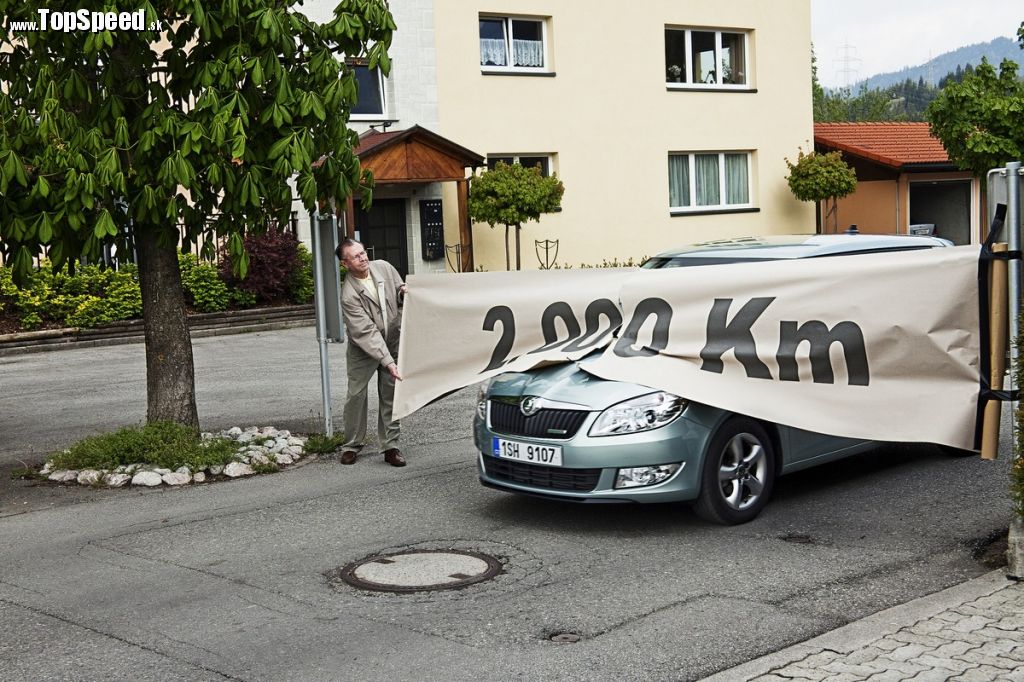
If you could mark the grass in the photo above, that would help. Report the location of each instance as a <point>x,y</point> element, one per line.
<point>160,444</point>
<point>24,474</point>
<point>319,444</point>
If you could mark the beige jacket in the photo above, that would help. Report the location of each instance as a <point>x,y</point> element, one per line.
<point>364,319</point>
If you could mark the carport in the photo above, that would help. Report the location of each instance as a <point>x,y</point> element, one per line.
<point>905,181</point>
<point>407,223</point>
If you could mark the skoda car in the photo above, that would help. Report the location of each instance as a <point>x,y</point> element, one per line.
<point>559,432</point>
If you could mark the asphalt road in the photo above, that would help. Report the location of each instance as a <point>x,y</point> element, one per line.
<point>234,580</point>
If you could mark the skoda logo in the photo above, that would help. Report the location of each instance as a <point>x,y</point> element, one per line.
<point>529,406</point>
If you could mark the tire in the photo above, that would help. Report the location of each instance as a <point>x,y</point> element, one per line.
<point>738,475</point>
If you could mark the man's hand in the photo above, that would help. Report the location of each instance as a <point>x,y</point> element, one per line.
<point>393,370</point>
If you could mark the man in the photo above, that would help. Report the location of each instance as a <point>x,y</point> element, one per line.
<point>371,299</point>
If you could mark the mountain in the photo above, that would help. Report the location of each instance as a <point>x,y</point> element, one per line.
<point>994,50</point>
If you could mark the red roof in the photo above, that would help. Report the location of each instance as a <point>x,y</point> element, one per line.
<point>892,144</point>
<point>372,139</point>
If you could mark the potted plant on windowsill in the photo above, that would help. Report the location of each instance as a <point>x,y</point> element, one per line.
<point>675,72</point>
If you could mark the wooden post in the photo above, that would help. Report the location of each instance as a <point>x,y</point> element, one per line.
<point>465,227</point>
<point>997,356</point>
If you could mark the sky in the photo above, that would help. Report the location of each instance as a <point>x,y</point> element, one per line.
<point>856,39</point>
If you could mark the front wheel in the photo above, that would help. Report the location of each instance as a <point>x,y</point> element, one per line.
<point>738,475</point>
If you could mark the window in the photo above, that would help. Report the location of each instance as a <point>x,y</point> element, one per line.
<point>370,104</point>
<point>526,161</point>
<point>709,181</point>
<point>512,44</point>
<point>706,58</point>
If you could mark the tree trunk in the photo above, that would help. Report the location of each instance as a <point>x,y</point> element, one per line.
<point>518,263</point>
<point>170,371</point>
<point>508,262</point>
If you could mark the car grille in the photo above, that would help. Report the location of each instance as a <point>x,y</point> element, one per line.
<point>551,478</point>
<point>507,418</point>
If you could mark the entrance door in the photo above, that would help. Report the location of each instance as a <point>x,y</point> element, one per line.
<point>947,205</point>
<point>382,232</point>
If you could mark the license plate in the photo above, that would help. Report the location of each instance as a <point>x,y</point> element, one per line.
<point>549,455</point>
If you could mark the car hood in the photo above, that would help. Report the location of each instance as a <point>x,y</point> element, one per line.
<point>565,383</point>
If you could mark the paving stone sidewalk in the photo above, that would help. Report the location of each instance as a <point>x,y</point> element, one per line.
<point>973,631</point>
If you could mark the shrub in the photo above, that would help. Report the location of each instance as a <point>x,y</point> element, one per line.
<point>605,263</point>
<point>94,295</point>
<point>160,444</point>
<point>300,289</point>
<point>241,298</point>
<point>273,259</point>
<point>321,444</point>
<point>204,289</point>
<point>280,270</point>
<point>122,300</point>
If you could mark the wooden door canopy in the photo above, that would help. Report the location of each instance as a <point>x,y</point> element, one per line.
<point>414,155</point>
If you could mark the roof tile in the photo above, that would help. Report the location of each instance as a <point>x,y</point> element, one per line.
<point>894,144</point>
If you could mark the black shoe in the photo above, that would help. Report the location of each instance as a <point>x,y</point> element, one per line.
<point>349,457</point>
<point>394,457</point>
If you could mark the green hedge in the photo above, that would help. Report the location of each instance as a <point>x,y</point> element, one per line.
<point>97,295</point>
<point>91,297</point>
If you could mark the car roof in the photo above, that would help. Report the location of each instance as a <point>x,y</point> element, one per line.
<point>783,247</point>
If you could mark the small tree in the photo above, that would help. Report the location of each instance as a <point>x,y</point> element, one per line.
<point>192,122</point>
<point>980,120</point>
<point>821,177</point>
<point>513,195</point>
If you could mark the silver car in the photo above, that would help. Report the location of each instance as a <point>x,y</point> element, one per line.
<point>559,432</point>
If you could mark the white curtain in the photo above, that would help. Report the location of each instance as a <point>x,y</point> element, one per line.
<point>708,193</point>
<point>492,52</point>
<point>679,180</point>
<point>737,186</point>
<point>528,52</point>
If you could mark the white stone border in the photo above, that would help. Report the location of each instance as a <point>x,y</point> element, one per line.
<point>256,446</point>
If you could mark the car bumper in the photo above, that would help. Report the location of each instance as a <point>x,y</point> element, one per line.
<point>591,464</point>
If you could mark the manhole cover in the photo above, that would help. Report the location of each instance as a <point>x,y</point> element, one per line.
<point>419,570</point>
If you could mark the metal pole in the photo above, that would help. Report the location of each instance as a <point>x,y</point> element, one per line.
<point>1013,181</point>
<point>321,323</point>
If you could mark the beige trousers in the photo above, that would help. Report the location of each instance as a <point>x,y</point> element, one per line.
<point>361,368</point>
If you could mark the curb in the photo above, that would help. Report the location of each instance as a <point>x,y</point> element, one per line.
<point>200,325</point>
<point>861,633</point>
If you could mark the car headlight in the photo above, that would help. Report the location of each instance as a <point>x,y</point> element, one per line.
<point>481,400</point>
<point>647,412</point>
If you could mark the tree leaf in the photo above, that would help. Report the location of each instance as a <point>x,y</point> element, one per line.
<point>44,228</point>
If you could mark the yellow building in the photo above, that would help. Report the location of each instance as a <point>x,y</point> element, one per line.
<point>668,123</point>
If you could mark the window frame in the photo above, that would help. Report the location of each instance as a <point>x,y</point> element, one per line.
<point>722,206</point>
<point>549,158</point>
<point>509,68</point>
<point>382,90</point>
<point>687,82</point>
